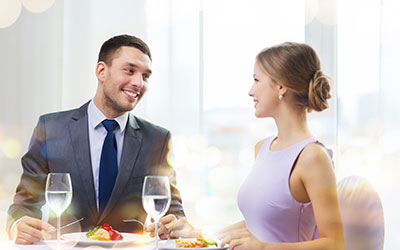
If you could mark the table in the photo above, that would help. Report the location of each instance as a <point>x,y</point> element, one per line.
<point>51,245</point>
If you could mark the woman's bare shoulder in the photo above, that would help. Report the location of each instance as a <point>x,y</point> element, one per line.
<point>315,160</point>
<point>258,146</point>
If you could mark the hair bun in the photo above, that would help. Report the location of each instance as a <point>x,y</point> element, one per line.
<point>318,92</point>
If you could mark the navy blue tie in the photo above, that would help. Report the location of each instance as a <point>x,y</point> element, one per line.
<point>108,164</point>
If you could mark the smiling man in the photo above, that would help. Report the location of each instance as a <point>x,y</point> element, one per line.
<point>106,150</point>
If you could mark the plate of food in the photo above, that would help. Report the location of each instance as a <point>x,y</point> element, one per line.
<point>199,243</point>
<point>105,235</point>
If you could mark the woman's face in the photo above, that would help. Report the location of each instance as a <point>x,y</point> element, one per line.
<point>265,93</point>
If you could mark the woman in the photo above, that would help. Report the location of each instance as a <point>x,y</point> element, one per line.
<point>293,202</point>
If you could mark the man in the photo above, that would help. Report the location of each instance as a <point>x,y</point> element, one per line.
<point>106,150</point>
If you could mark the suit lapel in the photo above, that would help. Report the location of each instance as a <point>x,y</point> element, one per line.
<point>80,141</point>
<point>130,151</point>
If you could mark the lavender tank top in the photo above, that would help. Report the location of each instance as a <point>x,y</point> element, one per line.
<point>270,211</point>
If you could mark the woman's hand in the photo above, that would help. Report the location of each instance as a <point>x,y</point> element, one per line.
<point>171,227</point>
<point>241,239</point>
<point>238,225</point>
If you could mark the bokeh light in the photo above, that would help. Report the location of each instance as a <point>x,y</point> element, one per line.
<point>213,156</point>
<point>9,12</point>
<point>12,148</point>
<point>37,6</point>
<point>171,159</point>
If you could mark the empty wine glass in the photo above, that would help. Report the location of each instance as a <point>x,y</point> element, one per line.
<point>58,195</point>
<point>156,198</point>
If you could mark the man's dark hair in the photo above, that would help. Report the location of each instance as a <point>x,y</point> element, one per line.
<point>110,46</point>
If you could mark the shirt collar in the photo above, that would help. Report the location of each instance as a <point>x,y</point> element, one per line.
<point>95,117</point>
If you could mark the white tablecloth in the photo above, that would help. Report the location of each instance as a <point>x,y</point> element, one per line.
<point>51,245</point>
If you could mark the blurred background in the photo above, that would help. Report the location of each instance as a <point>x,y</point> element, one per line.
<point>203,57</point>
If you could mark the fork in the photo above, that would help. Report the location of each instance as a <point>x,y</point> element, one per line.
<point>162,226</point>
<point>67,225</point>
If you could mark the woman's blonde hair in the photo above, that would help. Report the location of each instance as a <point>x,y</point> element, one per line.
<point>297,67</point>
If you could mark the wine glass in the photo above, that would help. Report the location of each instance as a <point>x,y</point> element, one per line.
<point>156,199</point>
<point>58,195</point>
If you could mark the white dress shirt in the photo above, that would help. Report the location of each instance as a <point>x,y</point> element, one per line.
<point>97,134</point>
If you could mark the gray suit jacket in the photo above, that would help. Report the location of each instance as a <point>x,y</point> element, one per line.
<point>60,143</point>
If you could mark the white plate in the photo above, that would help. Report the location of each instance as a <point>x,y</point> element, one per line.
<point>129,239</point>
<point>171,245</point>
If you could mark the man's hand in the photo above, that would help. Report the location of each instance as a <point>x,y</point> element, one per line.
<point>29,230</point>
<point>171,227</point>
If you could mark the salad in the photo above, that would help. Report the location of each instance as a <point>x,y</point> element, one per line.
<point>104,233</point>
<point>200,242</point>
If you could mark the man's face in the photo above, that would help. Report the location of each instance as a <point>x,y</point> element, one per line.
<point>122,83</point>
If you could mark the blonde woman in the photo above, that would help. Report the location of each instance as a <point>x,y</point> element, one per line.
<point>289,200</point>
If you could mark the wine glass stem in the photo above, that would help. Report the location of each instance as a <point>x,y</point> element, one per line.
<point>156,232</point>
<point>58,228</point>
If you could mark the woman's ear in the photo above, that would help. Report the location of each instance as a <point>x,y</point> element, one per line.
<point>100,71</point>
<point>282,90</point>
